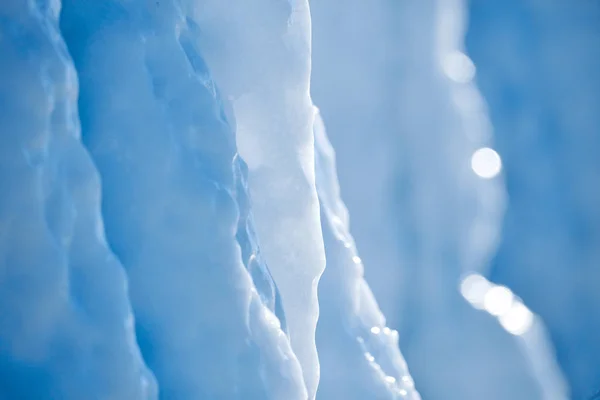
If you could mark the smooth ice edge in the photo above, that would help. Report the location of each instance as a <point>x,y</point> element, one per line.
<point>362,317</point>
<point>76,340</point>
<point>259,52</point>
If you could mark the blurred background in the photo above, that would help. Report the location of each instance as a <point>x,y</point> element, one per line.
<point>468,147</point>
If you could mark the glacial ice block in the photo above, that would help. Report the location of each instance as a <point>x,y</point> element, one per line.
<point>259,52</point>
<point>66,327</point>
<point>359,354</point>
<point>153,122</point>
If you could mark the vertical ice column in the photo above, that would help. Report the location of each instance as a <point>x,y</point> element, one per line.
<point>153,121</point>
<point>449,210</point>
<point>539,69</point>
<point>259,52</point>
<point>359,354</point>
<point>66,328</point>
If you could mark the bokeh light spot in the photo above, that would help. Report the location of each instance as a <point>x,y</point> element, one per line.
<point>486,163</point>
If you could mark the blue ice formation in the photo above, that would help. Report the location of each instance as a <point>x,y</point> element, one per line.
<point>66,325</point>
<point>418,136</point>
<point>141,256</point>
<point>260,52</point>
<point>359,353</point>
<point>167,158</point>
<point>538,67</point>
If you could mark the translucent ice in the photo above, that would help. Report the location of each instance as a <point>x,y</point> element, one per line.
<point>143,257</point>
<point>174,195</point>
<point>259,51</point>
<point>66,327</point>
<point>359,354</point>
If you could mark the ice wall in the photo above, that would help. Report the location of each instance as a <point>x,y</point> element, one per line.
<point>260,53</point>
<point>185,275</point>
<point>538,67</point>
<point>66,327</point>
<point>209,319</point>
<point>167,156</point>
<point>175,202</point>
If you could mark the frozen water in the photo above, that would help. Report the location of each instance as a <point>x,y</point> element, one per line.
<point>210,321</point>
<point>167,156</point>
<point>66,327</point>
<point>163,230</point>
<point>260,52</point>
<point>358,352</point>
<point>423,132</point>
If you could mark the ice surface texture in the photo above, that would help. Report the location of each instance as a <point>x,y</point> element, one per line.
<point>66,327</point>
<point>167,157</point>
<point>259,51</point>
<point>218,260</point>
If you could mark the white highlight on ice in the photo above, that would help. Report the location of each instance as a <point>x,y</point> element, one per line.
<point>517,320</point>
<point>499,301</point>
<point>260,56</point>
<point>486,162</point>
<point>473,288</point>
<point>458,67</point>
